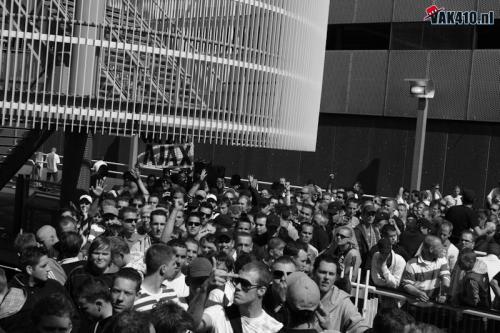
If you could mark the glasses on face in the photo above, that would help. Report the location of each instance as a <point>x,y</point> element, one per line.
<point>278,275</point>
<point>130,220</point>
<point>138,205</point>
<point>193,224</point>
<point>205,214</point>
<point>108,217</point>
<point>341,236</point>
<point>245,284</point>
<point>465,241</point>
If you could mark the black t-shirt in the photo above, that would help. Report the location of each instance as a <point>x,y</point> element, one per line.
<point>462,218</point>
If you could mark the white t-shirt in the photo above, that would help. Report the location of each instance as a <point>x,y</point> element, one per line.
<point>52,161</point>
<point>215,317</point>
<point>181,289</point>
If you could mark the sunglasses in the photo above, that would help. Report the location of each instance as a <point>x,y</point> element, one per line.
<point>245,284</point>
<point>278,275</point>
<point>108,217</point>
<point>205,214</point>
<point>130,220</point>
<point>341,236</point>
<point>193,224</point>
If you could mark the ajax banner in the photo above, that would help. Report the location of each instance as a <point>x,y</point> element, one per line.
<point>167,156</point>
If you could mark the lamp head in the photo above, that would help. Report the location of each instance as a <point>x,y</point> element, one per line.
<point>421,88</point>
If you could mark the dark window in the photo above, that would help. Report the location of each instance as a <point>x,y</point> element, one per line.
<point>424,36</point>
<point>488,37</point>
<point>373,36</point>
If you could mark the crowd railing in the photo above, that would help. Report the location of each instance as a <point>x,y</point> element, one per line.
<point>370,299</point>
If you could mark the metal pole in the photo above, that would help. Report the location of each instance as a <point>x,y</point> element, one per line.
<point>133,150</point>
<point>418,152</point>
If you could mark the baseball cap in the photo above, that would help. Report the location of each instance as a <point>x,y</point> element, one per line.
<point>109,210</point>
<point>369,209</point>
<point>199,267</point>
<point>86,197</point>
<point>224,221</point>
<point>302,292</point>
<point>200,194</point>
<point>211,196</point>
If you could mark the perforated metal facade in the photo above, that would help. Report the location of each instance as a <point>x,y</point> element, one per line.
<point>240,72</point>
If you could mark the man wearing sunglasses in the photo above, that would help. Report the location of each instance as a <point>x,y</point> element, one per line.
<point>246,314</point>
<point>275,297</point>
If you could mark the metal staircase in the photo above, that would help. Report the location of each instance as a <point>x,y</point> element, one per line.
<point>17,145</point>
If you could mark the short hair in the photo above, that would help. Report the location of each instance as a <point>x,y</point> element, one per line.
<point>467,255</point>
<point>262,270</point>
<point>285,260</point>
<point>23,241</point>
<point>210,238</point>
<point>70,244</point>
<point>352,200</point>
<point>53,305</point>
<point>66,220</point>
<point>275,242</point>
<point>470,233</point>
<point>31,256</point>
<point>131,274</point>
<point>130,321</point>
<point>170,317</point>
<point>283,211</point>
<point>328,259</point>
<point>447,224</point>
<point>161,212</point>
<point>384,231</point>
<point>306,224</point>
<point>392,320</point>
<point>193,214</point>
<point>260,215</point>
<point>293,248</point>
<point>156,256</point>
<point>123,197</point>
<point>101,242</point>
<point>242,234</point>
<point>118,246</point>
<point>226,259</point>
<point>308,206</point>
<point>92,289</point>
<point>177,243</point>
<point>125,210</point>
<point>243,221</point>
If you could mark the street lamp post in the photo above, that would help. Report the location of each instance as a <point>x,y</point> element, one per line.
<point>423,89</point>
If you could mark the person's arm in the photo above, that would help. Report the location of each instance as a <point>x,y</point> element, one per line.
<point>197,304</point>
<point>408,283</point>
<point>479,232</point>
<point>495,287</point>
<point>253,187</point>
<point>166,234</point>
<point>138,180</point>
<point>197,184</point>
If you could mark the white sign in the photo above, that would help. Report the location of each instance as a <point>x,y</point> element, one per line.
<point>169,156</point>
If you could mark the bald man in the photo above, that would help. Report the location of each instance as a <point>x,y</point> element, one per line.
<point>427,276</point>
<point>47,236</point>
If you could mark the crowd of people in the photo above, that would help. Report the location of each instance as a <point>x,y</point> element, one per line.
<point>183,254</point>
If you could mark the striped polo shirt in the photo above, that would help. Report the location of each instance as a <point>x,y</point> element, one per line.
<point>146,301</point>
<point>425,275</point>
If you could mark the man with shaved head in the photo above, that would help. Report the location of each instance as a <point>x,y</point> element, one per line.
<point>427,276</point>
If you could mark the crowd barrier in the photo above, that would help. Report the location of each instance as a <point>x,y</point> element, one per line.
<point>370,299</point>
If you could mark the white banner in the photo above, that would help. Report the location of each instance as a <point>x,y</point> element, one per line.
<point>168,156</point>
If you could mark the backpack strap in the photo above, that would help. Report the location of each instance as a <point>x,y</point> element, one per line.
<point>233,314</point>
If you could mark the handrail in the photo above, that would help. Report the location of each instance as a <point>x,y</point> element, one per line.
<point>402,297</point>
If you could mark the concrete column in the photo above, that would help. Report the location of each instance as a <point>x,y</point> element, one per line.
<point>88,13</point>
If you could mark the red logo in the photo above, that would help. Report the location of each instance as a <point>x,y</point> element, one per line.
<point>431,11</point>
